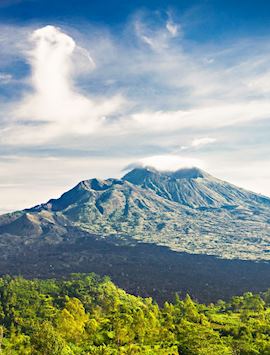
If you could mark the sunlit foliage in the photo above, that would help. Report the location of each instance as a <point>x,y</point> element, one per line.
<point>86,314</point>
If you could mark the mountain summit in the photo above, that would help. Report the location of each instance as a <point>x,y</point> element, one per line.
<point>187,210</point>
<point>139,175</point>
<point>192,187</point>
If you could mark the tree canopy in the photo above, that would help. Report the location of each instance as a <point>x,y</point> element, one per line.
<point>86,314</point>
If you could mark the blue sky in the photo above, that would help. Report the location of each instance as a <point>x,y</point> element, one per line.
<point>210,19</point>
<point>90,87</point>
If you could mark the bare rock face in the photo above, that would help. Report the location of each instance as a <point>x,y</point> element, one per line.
<point>187,210</point>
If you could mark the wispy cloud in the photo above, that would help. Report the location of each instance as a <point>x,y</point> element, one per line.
<point>5,78</point>
<point>199,142</point>
<point>165,89</point>
<point>172,27</point>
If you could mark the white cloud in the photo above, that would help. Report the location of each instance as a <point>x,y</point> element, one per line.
<point>158,39</point>
<point>210,117</point>
<point>199,142</point>
<point>146,37</point>
<point>5,78</point>
<point>172,28</point>
<point>55,105</point>
<point>169,162</point>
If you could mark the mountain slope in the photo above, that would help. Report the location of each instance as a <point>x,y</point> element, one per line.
<point>194,187</point>
<point>187,210</point>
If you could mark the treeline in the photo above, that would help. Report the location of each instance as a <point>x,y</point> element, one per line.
<point>87,314</point>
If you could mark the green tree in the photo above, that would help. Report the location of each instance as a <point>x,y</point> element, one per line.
<point>71,321</point>
<point>47,341</point>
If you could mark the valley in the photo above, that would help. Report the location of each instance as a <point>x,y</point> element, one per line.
<point>144,269</point>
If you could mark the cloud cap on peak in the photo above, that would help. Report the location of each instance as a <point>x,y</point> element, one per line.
<point>166,163</point>
<point>138,175</point>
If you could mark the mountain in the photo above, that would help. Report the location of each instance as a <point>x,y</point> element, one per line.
<point>187,210</point>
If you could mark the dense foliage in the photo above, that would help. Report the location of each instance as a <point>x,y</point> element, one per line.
<point>89,315</point>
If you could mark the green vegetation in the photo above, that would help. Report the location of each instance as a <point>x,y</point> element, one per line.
<point>86,314</point>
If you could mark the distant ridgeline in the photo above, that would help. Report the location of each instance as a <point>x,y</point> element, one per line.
<point>86,314</point>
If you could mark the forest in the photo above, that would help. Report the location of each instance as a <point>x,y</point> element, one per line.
<point>88,314</point>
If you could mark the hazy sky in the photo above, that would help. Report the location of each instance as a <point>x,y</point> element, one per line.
<point>89,87</point>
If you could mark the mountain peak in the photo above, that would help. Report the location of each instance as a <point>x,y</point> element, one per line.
<point>140,174</point>
<point>190,173</point>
